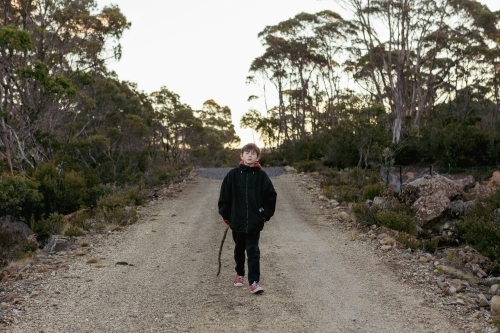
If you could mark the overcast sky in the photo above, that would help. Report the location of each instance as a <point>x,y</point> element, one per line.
<point>202,49</point>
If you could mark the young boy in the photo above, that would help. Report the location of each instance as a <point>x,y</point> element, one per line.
<point>247,200</point>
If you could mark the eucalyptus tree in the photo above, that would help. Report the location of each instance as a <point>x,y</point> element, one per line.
<point>70,43</point>
<point>411,54</point>
<point>175,128</point>
<point>218,124</point>
<point>14,42</point>
<point>301,60</point>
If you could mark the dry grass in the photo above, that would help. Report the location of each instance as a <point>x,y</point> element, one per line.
<point>28,258</point>
<point>92,261</point>
<point>496,322</point>
<point>457,273</point>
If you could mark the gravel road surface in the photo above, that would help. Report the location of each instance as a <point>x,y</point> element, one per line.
<point>315,278</point>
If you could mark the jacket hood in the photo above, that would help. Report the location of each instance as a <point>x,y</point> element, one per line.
<point>256,165</point>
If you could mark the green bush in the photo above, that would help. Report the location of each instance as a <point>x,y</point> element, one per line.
<point>308,166</point>
<point>372,191</point>
<point>397,221</point>
<point>408,241</point>
<point>73,230</point>
<point>117,215</point>
<point>430,245</point>
<point>365,215</point>
<point>349,194</point>
<point>63,191</point>
<point>13,248</point>
<point>19,196</point>
<point>121,198</point>
<point>483,235</point>
<point>53,225</point>
<point>481,230</point>
<point>81,220</point>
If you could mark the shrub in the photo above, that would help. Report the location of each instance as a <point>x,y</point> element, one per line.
<point>365,215</point>
<point>482,234</point>
<point>481,230</point>
<point>372,191</point>
<point>81,220</point>
<point>397,221</point>
<point>349,194</point>
<point>73,230</point>
<point>117,215</point>
<point>53,225</point>
<point>430,245</point>
<point>63,191</point>
<point>408,241</point>
<point>122,198</point>
<point>308,166</point>
<point>19,196</point>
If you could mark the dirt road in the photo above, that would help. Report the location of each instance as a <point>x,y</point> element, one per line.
<point>315,278</point>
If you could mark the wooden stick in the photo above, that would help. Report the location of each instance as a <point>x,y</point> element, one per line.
<point>220,249</point>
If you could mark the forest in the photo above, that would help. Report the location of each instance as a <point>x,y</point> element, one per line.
<point>397,83</point>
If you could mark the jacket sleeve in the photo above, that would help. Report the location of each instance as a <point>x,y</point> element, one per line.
<point>225,198</point>
<point>269,199</point>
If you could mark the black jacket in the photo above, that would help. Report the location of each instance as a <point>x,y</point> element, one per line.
<point>247,198</point>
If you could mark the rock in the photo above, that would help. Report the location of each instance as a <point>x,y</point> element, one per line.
<point>410,175</point>
<point>469,255</point>
<point>495,306</point>
<point>333,203</point>
<point>458,208</point>
<point>468,181</point>
<point>388,241</point>
<point>385,248</point>
<point>494,180</point>
<point>57,244</point>
<point>435,194</point>
<point>423,260</point>
<point>9,298</point>
<point>430,185</point>
<point>322,198</point>
<point>483,301</point>
<point>494,290</point>
<point>378,201</point>
<point>17,229</point>
<point>482,191</point>
<point>496,214</point>
<point>474,268</point>
<point>4,306</point>
<point>431,207</point>
<point>456,285</point>
<point>381,236</point>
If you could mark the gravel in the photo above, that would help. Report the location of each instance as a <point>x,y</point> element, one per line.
<point>220,173</point>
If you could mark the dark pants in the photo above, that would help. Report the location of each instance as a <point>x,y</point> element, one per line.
<point>250,244</point>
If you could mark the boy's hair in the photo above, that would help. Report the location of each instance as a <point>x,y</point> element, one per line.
<point>249,147</point>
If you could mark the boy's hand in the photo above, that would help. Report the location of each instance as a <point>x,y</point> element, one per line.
<point>226,221</point>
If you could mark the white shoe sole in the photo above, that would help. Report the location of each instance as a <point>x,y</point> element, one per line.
<point>257,291</point>
<point>238,284</point>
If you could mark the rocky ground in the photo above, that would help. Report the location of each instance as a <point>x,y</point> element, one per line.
<point>329,274</point>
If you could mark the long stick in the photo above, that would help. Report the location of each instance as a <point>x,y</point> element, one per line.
<point>220,249</point>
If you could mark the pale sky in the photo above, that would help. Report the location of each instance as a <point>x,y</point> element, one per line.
<point>202,49</point>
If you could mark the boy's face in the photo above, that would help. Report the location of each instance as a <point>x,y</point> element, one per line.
<point>249,158</point>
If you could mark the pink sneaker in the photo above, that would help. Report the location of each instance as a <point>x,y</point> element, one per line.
<point>255,288</point>
<point>238,280</point>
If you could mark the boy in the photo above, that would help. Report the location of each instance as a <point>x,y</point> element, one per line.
<point>247,200</point>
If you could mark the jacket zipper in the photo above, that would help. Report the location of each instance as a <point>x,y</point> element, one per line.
<point>246,197</point>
